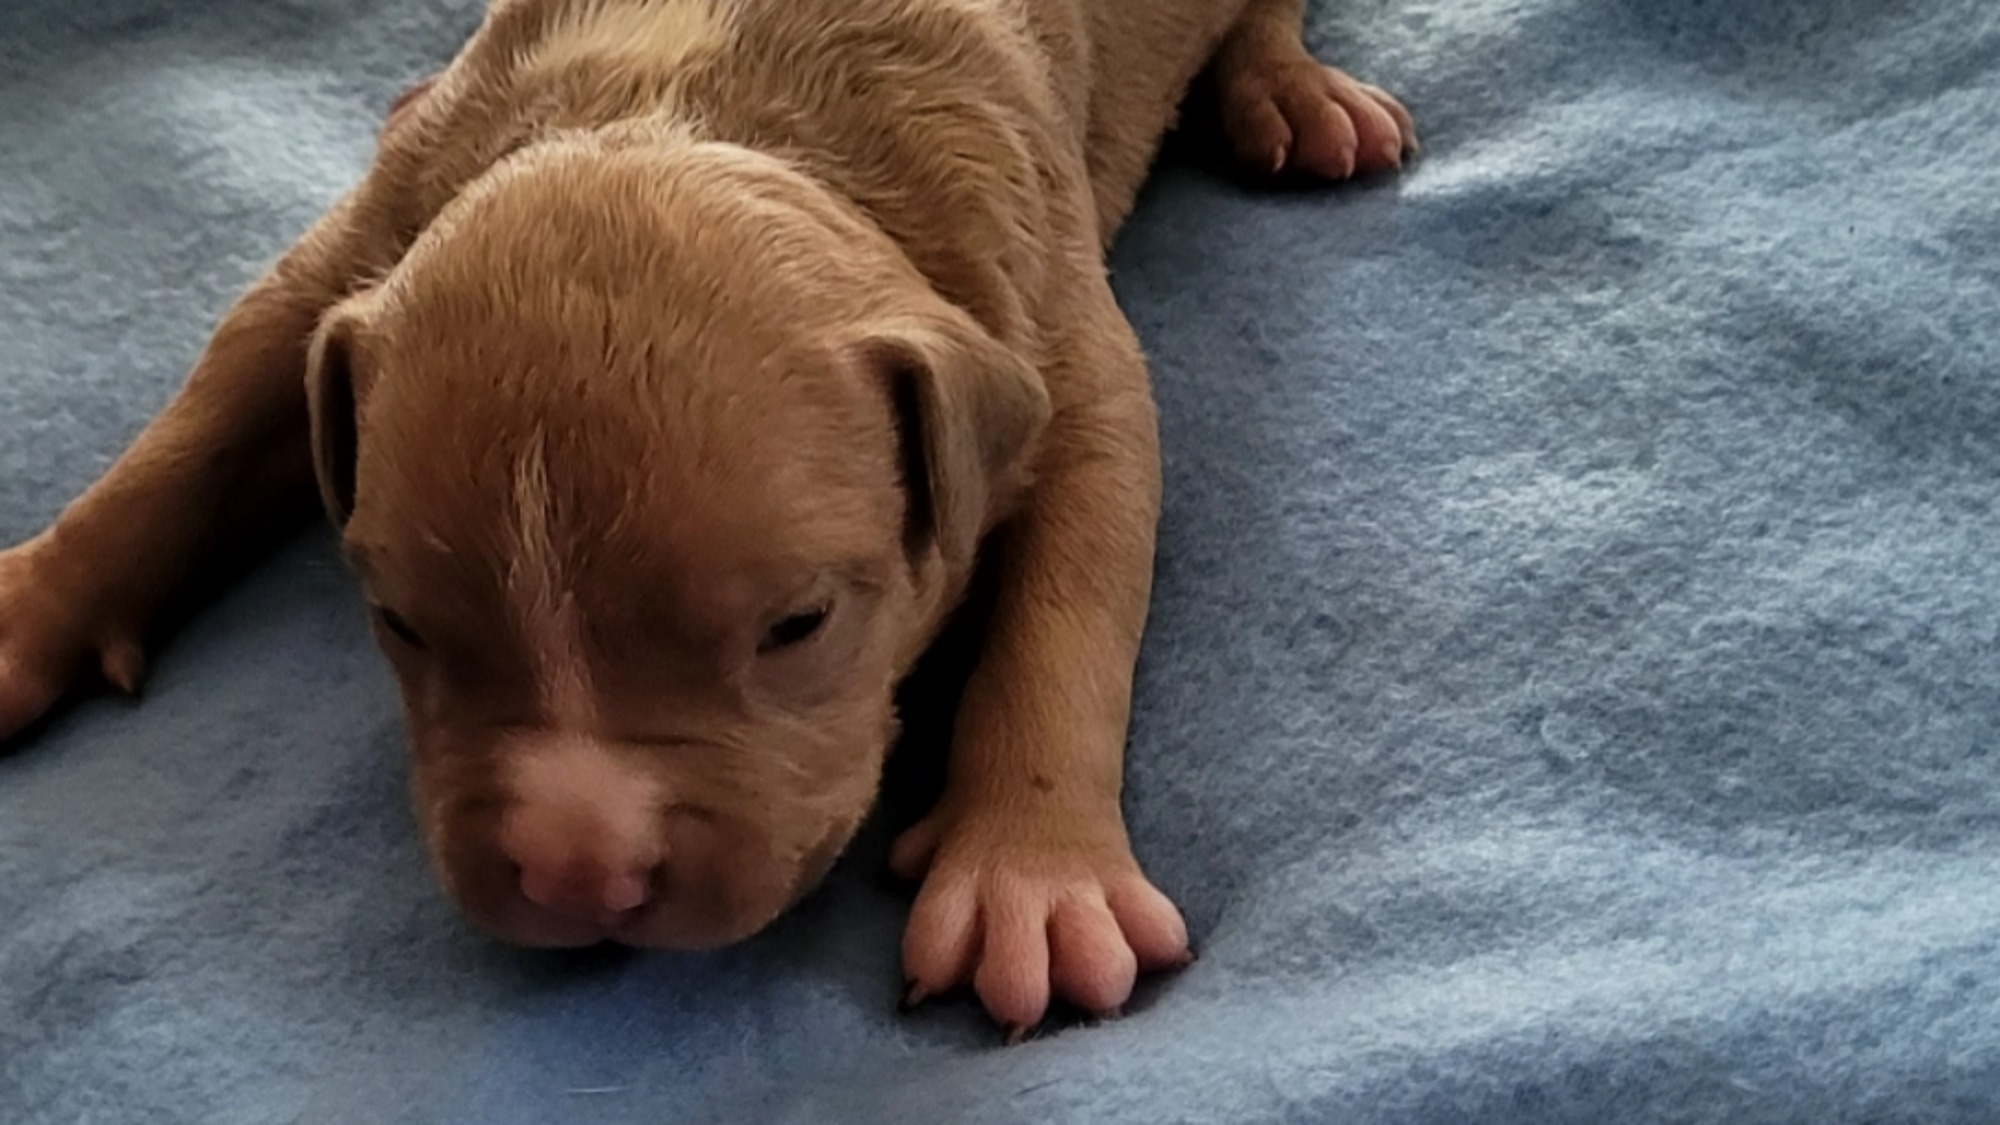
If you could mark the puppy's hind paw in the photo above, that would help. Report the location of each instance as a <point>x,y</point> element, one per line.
<point>1296,115</point>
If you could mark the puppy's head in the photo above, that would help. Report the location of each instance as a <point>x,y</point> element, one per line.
<point>660,466</point>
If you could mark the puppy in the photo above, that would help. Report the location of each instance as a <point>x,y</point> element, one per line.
<point>667,376</point>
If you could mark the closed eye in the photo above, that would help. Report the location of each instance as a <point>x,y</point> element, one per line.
<point>794,629</point>
<point>394,624</point>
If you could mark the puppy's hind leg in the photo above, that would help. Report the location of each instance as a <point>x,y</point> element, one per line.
<point>1285,111</point>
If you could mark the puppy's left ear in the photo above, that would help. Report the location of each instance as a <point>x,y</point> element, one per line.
<point>338,376</point>
<point>970,413</point>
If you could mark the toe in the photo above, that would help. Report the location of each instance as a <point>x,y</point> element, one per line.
<point>25,694</point>
<point>1257,129</point>
<point>940,941</point>
<point>1013,975</point>
<point>911,855</point>
<point>1152,925</point>
<point>123,665</point>
<point>1406,126</point>
<point>1378,139</point>
<point>1090,963</point>
<point>1327,144</point>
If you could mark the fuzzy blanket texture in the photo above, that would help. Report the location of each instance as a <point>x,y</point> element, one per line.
<point>1573,693</point>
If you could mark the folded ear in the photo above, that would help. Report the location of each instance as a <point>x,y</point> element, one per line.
<point>970,413</point>
<point>338,376</point>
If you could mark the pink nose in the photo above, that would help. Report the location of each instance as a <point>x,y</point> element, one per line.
<point>579,888</point>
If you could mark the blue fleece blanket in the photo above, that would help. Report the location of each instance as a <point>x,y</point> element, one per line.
<point>1573,693</point>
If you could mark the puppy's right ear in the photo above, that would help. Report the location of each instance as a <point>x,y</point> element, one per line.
<point>338,376</point>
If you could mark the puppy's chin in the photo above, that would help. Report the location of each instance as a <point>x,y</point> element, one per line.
<point>531,927</point>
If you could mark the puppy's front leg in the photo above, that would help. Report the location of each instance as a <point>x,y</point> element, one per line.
<point>214,476</point>
<point>1030,886</point>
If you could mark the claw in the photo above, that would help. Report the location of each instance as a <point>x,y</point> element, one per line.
<point>124,666</point>
<point>915,995</point>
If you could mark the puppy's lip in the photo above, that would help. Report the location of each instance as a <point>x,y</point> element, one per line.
<point>625,926</point>
<point>614,926</point>
<point>524,924</point>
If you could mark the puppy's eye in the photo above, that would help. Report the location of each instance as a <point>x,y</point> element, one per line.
<point>393,623</point>
<point>794,629</point>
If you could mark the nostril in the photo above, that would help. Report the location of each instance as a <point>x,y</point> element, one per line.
<point>625,892</point>
<point>544,887</point>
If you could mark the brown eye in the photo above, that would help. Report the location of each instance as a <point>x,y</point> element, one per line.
<point>393,623</point>
<point>794,629</point>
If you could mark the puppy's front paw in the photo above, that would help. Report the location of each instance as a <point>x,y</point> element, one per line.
<point>1024,908</point>
<point>1295,114</point>
<point>49,637</point>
